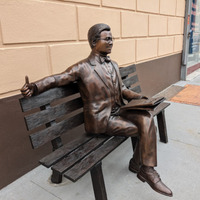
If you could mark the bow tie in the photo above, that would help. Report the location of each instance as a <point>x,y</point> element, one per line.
<point>105,59</point>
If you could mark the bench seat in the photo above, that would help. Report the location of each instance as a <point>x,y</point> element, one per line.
<point>54,113</point>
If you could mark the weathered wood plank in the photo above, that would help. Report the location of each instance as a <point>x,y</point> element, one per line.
<point>160,107</point>
<point>42,137</point>
<point>125,71</point>
<point>57,142</point>
<point>52,113</point>
<point>136,89</point>
<point>130,80</point>
<point>79,154</point>
<point>87,163</point>
<point>48,97</point>
<point>66,149</point>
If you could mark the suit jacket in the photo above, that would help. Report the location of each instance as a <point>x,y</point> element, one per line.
<point>94,91</point>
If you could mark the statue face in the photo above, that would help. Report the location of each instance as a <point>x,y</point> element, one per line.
<point>104,44</point>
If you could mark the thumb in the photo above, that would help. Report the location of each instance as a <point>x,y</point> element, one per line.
<point>26,80</point>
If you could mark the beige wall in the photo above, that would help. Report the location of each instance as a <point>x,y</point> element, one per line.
<point>39,38</point>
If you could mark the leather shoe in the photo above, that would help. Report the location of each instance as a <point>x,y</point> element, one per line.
<point>133,167</point>
<point>153,179</point>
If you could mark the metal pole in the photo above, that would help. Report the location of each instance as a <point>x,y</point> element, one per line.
<point>186,39</point>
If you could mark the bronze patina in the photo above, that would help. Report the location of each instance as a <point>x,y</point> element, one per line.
<point>102,92</point>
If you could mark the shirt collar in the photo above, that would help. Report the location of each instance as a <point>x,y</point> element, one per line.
<point>101,59</point>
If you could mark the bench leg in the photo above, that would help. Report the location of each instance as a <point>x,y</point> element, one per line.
<point>56,143</point>
<point>134,142</point>
<point>162,126</point>
<point>56,177</point>
<point>98,182</point>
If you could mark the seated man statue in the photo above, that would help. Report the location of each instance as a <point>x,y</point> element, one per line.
<point>102,92</point>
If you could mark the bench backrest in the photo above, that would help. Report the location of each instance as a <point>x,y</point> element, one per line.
<point>56,118</point>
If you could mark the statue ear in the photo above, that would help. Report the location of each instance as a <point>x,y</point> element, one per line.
<point>94,43</point>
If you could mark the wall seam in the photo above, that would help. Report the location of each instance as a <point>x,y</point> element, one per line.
<point>145,37</point>
<point>167,26</point>
<point>118,8</point>
<point>143,60</point>
<point>49,60</point>
<point>77,24</point>
<point>100,7</point>
<point>148,25</point>
<point>176,7</point>
<point>27,44</point>
<point>1,33</point>
<point>136,5</point>
<point>72,3</point>
<point>136,50</point>
<point>9,93</point>
<point>120,24</point>
<point>162,14</point>
<point>107,6</point>
<point>143,12</point>
<point>182,26</point>
<point>174,44</point>
<point>35,44</point>
<point>159,8</point>
<point>153,58</point>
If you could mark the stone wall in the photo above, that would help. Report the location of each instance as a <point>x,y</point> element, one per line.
<point>40,38</point>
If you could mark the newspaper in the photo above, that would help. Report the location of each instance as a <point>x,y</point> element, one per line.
<point>143,104</point>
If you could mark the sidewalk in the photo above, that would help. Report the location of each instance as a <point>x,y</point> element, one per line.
<point>178,165</point>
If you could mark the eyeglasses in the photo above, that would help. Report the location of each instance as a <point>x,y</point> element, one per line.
<point>108,39</point>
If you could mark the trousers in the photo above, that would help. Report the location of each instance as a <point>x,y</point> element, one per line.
<point>136,123</point>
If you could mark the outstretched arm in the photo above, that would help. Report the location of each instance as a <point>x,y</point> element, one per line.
<point>68,76</point>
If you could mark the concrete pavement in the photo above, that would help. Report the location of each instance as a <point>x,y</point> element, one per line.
<point>178,165</point>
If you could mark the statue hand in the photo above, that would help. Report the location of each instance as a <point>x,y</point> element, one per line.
<point>28,89</point>
<point>144,97</point>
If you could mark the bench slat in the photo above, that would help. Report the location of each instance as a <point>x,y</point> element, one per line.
<point>136,89</point>
<point>48,97</point>
<point>52,113</point>
<point>79,154</point>
<point>42,137</point>
<point>160,107</point>
<point>130,80</point>
<point>125,71</point>
<point>66,149</point>
<point>88,162</point>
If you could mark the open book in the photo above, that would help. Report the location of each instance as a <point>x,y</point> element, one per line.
<point>143,104</point>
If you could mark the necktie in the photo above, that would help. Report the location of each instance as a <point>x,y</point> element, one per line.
<point>105,59</point>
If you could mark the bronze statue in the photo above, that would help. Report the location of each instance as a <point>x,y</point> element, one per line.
<point>102,92</point>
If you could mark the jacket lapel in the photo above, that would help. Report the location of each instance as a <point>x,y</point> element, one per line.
<point>117,72</point>
<point>120,80</point>
<point>100,73</point>
<point>98,69</point>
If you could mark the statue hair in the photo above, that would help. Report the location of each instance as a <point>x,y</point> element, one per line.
<point>94,33</point>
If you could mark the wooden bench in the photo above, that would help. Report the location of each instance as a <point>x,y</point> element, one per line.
<point>85,152</point>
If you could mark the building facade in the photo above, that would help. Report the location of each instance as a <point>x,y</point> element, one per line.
<point>42,37</point>
<point>191,41</point>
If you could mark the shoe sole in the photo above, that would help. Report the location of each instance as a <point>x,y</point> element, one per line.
<point>132,170</point>
<point>144,180</point>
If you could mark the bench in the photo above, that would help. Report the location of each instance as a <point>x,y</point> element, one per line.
<point>59,110</point>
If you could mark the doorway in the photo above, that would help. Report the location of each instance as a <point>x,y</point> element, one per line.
<point>193,61</point>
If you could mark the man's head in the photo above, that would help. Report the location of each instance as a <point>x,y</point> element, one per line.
<point>100,38</point>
